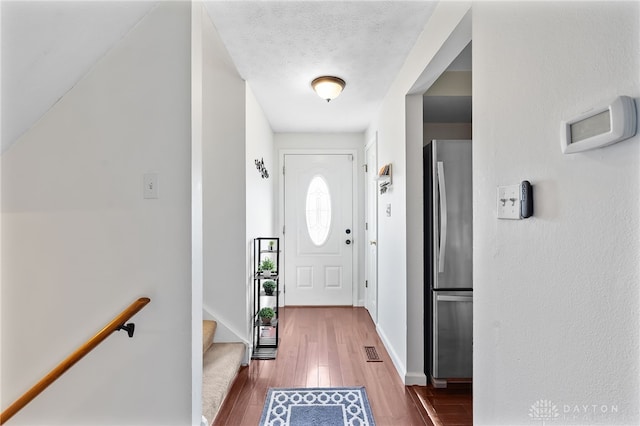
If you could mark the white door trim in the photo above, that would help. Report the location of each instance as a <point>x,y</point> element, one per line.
<point>372,144</point>
<point>357,238</point>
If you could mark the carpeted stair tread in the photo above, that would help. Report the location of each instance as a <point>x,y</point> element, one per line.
<point>220,365</point>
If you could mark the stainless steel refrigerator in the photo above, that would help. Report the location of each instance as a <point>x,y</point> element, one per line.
<point>449,260</point>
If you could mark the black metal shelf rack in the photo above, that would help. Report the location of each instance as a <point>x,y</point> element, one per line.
<point>266,336</point>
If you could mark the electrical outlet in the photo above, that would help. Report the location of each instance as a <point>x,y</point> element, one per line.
<point>509,202</point>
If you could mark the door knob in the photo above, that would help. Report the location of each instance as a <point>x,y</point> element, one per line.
<point>348,242</point>
<point>373,243</point>
<point>348,231</point>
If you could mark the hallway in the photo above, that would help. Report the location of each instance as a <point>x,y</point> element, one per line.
<point>319,347</point>
<point>324,346</point>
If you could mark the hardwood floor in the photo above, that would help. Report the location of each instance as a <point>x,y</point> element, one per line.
<point>322,347</point>
<point>445,407</point>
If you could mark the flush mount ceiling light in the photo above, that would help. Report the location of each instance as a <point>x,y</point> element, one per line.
<point>328,87</point>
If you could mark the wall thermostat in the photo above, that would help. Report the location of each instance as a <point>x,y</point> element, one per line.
<point>600,126</point>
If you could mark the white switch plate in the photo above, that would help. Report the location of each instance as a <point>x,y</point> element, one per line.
<point>151,185</point>
<point>388,210</point>
<point>509,202</point>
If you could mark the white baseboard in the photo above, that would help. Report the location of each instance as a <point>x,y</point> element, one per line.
<point>397,363</point>
<point>415,378</point>
<point>248,353</point>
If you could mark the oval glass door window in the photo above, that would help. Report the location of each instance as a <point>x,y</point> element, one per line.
<point>318,209</point>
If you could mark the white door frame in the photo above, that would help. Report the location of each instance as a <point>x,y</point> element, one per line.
<point>372,230</point>
<point>357,240</point>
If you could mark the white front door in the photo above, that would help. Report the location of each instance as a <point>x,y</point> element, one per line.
<point>318,229</point>
<point>371,233</point>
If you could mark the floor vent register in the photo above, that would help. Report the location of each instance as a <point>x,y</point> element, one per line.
<point>372,354</point>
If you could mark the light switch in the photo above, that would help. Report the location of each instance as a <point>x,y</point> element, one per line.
<point>509,202</point>
<point>151,185</point>
<point>388,210</point>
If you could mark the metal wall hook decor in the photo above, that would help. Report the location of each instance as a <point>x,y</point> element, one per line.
<point>261,168</point>
<point>129,328</point>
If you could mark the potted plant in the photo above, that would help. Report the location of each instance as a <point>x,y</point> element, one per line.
<point>269,286</point>
<point>271,243</point>
<point>267,266</point>
<point>266,314</point>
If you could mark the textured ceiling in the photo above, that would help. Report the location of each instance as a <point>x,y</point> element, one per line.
<point>280,47</point>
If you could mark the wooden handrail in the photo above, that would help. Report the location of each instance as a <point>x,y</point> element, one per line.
<point>76,356</point>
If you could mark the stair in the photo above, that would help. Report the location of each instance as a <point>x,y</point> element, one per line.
<point>220,365</point>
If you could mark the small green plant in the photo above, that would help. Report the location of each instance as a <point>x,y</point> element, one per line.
<point>267,265</point>
<point>266,314</point>
<point>269,286</point>
<point>271,243</point>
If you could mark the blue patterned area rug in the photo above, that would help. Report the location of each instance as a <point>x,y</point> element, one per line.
<point>317,407</point>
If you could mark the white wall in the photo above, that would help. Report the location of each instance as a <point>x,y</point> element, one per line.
<point>260,193</point>
<point>396,237</point>
<point>330,142</point>
<point>556,296</point>
<point>80,243</point>
<point>197,224</point>
<point>224,189</point>
<point>415,243</point>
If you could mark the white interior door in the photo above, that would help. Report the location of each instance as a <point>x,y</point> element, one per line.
<point>318,229</point>
<point>371,231</point>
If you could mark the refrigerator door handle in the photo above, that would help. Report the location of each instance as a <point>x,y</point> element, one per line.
<point>442,191</point>
<point>454,298</point>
